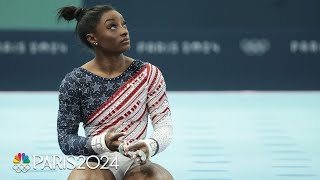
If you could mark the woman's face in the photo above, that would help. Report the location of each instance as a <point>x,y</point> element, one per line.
<point>112,34</point>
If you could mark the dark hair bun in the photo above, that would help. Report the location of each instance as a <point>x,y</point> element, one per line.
<point>70,12</point>
<point>88,19</point>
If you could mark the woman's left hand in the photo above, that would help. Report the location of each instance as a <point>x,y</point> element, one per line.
<point>134,151</point>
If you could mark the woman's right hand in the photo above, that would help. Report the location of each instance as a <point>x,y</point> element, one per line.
<point>112,138</point>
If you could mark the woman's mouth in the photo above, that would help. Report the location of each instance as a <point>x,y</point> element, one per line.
<point>126,40</point>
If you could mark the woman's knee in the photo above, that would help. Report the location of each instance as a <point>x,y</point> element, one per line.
<point>90,174</point>
<point>148,171</point>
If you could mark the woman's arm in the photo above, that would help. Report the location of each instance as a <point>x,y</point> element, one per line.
<point>69,117</point>
<point>160,114</point>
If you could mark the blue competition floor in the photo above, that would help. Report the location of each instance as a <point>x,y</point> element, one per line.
<point>217,135</point>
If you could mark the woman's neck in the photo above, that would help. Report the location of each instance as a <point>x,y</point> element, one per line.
<point>111,64</point>
<point>107,65</point>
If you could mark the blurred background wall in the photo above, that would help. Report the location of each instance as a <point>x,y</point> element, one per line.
<point>198,44</point>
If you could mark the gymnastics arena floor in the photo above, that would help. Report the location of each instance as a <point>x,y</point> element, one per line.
<point>217,135</point>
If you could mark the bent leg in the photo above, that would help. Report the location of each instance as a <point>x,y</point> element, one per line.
<point>91,174</point>
<point>148,171</point>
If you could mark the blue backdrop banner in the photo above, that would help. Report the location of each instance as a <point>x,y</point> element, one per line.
<point>198,45</point>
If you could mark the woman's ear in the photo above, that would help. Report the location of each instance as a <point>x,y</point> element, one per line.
<point>92,39</point>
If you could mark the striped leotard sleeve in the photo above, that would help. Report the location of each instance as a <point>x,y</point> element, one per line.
<point>158,107</point>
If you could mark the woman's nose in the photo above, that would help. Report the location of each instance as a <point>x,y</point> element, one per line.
<point>124,32</point>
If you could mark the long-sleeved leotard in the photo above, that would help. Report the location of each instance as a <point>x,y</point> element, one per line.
<point>81,93</point>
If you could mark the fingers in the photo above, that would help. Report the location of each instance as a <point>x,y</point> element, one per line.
<point>139,156</point>
<point>136,151</point>
<point>113,141</point>
<point>116,136</point>
<point>127,149</point>
<point>112,137</point>
<point>115,127</point>
<point>122,146</point>
<point>116,143</point>
<point>135,146</point>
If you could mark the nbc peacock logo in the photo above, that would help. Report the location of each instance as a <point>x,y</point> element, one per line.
<point>21,163</point>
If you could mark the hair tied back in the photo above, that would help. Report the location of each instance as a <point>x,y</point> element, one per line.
<point>78,13</point>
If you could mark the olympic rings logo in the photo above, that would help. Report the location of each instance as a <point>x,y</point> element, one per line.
<point>21,168</point>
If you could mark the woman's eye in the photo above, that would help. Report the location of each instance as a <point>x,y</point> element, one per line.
<point>112,26</point>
